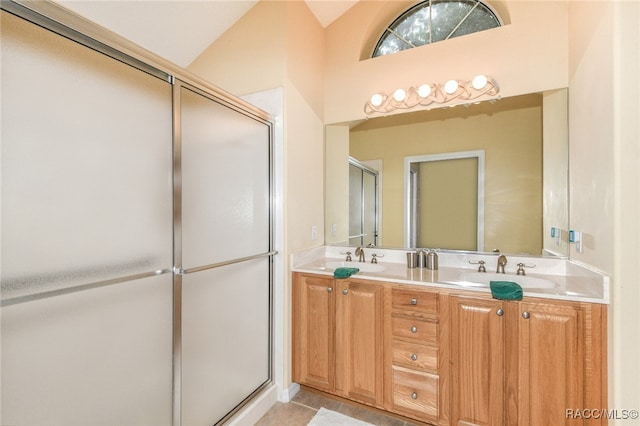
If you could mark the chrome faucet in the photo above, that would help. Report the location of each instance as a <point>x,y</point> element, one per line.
<point>360,254</point>
<point>502,262</point>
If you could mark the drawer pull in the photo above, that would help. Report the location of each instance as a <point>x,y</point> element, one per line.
<point>525,315</point>
<point>499,312</point>
<point>345,291</point>
<point>414,395</point>
<point>414,301</point>
<point>414,329</point>
<point>414,357</point>
<point>329,289</point>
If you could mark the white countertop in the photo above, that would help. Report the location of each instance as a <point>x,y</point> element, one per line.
<point>569,280</point>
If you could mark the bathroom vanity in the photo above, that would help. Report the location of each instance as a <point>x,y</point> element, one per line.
<point>420,344</point>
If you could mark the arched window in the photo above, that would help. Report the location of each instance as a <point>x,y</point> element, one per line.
<point>435,20</point>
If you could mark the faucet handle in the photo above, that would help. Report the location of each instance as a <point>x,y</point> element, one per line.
<point>374,257</point>
<point>481,267</point>
<point>348,253</point>
<point>521,267</point>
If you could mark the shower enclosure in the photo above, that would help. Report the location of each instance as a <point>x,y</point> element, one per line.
<point>363,204</point>
<point>137,237</point>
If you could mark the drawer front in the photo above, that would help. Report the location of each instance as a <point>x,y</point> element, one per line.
<point>415,300</point>
<point>415,394</point>
<point>420,330</point>
<point>415,356</point>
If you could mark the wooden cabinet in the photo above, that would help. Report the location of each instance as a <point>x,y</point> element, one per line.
<point>449,358</point>
<point>477,361</point>
<point>415,329</point>
<point>524,363</point>
<point>359,342</point>
<point>552,354</point>
<point>314,307</point>
<point>338,335</point>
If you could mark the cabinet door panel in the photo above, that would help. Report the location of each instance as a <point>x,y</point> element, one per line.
<point>362,364</point>
<point>551,363</point>
<point>314,332</point>
<point>477,362</point>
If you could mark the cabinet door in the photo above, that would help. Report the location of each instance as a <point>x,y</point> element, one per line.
<point>477,361</point>
<point>360,340</point>
<point>550,364</point>
<point>314,331</point>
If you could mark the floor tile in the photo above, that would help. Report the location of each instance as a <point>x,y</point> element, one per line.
<point>369,416</point>
<point>316,400</point>
<point>305,404</point>
<point>287,414</point>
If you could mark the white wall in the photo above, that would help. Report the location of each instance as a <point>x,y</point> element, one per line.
<point>604,178</point>
<point>625,315</point>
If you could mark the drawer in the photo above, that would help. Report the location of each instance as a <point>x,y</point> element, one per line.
<point>415,394</point>
<point>420,330</point>
<point>413,300</point>
<point>415,356</point>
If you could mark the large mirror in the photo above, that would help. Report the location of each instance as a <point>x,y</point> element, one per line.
<point>482,177</point>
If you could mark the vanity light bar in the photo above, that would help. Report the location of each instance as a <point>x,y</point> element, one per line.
<point>426,94</point>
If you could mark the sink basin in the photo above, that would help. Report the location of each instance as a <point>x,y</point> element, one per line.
<point>364,267</point>
<point>483,278</point>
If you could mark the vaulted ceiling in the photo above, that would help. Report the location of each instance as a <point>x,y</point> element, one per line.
<point>179,30</point>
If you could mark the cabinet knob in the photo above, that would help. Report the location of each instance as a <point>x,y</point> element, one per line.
<point>499,312</point>
<point>345,291</point>
<point>414,357</point>
<point>414,329</point>
<point>414,395</point>
<point>329,289</point>
<point>414,301</point>
<point>525,315</point>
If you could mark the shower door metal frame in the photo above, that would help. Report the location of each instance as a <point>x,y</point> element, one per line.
<point>179,272</point>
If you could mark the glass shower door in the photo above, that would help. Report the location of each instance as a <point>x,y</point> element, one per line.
<point>86,235</point>
<point>363,204</point>
<point>224,256</point>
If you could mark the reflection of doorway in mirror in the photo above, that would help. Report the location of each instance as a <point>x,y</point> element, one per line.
<point>444,201</point>
<point>363,204</point>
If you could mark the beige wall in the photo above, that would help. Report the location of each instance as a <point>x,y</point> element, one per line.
<point>509,131</point>
<point>555,170</point>
<point>590,46</point>
<point>336,184</point>
<point>605,181</point>
<point>529,55</point>
<point>448,211</point>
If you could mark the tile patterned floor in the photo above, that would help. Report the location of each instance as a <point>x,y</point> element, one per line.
<point>306,403</point>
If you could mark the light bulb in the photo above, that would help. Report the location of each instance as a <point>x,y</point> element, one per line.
<point>399,95</point>
<point>376,100</point>
<point>451,86</point>
<point>479,81</point>
<point>424,90</point>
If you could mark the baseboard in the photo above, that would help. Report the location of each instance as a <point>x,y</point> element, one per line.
<point>289,393</point>
<point>257,408</point>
